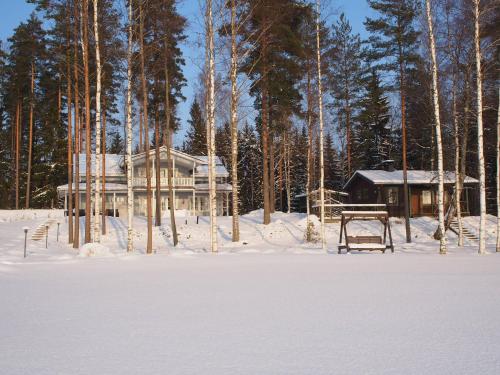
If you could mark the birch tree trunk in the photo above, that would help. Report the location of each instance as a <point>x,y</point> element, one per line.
<point>130,194</point>
<point>435,96</point>
<point>211,128</point>
<point>97,199</point>
<point>88,151</point>
<point>157,170</point>
<point>30,141</point>
<point>70,120</point>
<point>498,173</point>
<point>234,125</point>
<point>480,147</point>
<point>149,246</point>
<point>309,151</point>
<point>76,236</point>
<point>103,199</point>
<point>321,156</point>
<point>168,143</point>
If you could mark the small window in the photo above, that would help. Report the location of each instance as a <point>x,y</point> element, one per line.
<point>392,196</point>
<point>426,198</point>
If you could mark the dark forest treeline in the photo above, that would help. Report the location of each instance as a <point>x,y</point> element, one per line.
<point>365,82</point>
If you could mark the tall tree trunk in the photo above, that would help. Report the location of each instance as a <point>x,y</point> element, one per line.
<point>321,156</point>
<point>76,236</point>
<point>349,140</point>
<point>103,199</point>
<point>480,146</point>
<point>309,151</point>
<point>272,185</point>
<point>234,125</point>
<point>458,185</point>
<point>265,126</point>
<point>157,170</point>
<point>288,172</point>
<point>30,141</point>
<point>130,194</point>
<point>141,132</point>
<point>435,95</point>
<point>403,133</point>
<point>149,246</point>
<point>498,173</point>
<point>212,185</point>
<point>18,136</point>
<point>97,199</point>
<point>70,120</point>
<point>88,150</point>
<point>168,143</point>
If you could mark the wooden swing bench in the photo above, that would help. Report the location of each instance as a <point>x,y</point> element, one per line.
<point>365,242</point>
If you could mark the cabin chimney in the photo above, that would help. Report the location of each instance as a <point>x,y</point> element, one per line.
<point>388,165</point>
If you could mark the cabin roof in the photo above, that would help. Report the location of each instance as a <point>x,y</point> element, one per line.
<point>114,164</point>
<point>415,177</point>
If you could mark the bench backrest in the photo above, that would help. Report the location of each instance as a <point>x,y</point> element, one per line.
<point>364,239</point>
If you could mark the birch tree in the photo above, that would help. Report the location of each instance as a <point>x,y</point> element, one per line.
<point>480,146</point>
<point>211,125</point>
<point>234,125</point>
<point>97,199</point>
<point>84,19</point>
<point>130,194</point>
<point>149,245</point>
<point>435,95</point>
<point>320,109</point>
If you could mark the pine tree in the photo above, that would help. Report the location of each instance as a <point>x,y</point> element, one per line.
<point>346,77</point>
<point>249,170</point>
<point>196,136</point>
<point>372,139</point>
<point>393,43</point>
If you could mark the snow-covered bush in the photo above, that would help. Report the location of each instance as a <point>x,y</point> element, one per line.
<point>93,249</point>
<point>311,234</point>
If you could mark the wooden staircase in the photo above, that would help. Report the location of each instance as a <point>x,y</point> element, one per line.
<point>468,234</point>
<point>39,232</point>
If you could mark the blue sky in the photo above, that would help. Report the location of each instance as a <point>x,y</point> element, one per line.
<point>12,12</point>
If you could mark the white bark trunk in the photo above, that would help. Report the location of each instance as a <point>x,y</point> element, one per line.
<point>97,199</point>
<point>130,196</point>
<point>211,128</point>
<point>435,96</point>
<point>234,124</point>
<point>309,152</point>
<point>321,156</point>
<point>458,184</point>
<point>480,148</point>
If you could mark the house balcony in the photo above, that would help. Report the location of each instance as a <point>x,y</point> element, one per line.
<point>176,181</point>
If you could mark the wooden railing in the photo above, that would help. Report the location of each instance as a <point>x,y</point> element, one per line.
<point>177,181</point>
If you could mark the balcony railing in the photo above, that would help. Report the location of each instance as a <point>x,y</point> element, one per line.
<point>177,181</point>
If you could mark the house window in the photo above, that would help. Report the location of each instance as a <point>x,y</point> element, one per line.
<point>392,194</point>
<point>426,198</point>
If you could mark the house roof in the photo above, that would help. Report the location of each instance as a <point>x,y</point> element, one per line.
<point>114,164</point>
<point>110,187</point>
<point>414,177</point>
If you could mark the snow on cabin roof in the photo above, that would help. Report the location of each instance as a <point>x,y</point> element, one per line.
<point>220,170</point>
<point>110,187</point>
<point>415,177</point>
<point>114,164</point>
<point>204,159</point>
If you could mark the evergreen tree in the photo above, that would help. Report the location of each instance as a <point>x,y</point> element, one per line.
<point>333,169</point>
<point>372,137</point>
<point>117,145</point>
<point>393,43</point>
<point>346,77</point>
<point>196,134</point>
<point>249,170</point>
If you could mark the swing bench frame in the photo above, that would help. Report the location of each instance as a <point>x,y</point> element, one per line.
<point>369,242</point>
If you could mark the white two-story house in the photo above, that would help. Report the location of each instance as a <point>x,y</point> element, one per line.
<point>190,183</point>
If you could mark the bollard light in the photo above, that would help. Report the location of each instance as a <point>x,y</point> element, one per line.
<point>25,239</point>
<point>46,236</point>
<point>58,223</point>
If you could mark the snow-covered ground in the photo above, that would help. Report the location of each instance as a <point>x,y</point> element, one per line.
<point>270,304</point>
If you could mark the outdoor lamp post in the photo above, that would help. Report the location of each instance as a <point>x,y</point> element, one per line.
<point>25,239</point>
<point>46,236</point>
